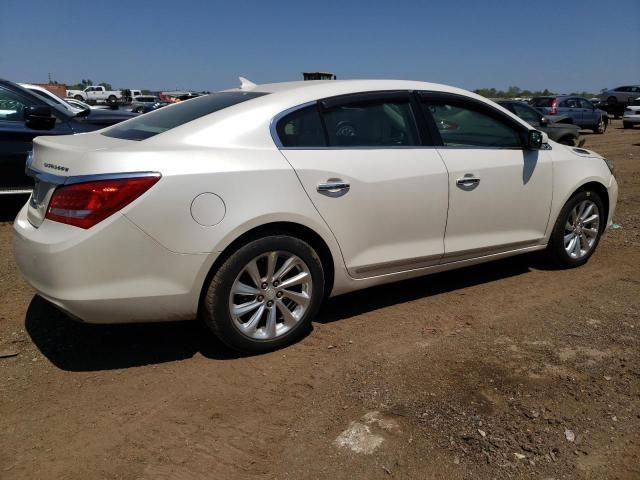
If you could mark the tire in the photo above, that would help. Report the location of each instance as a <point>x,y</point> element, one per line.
<point>612,100</point>
<point>112,100</point>
<point>563,254</point>
<point>79,97</point>
<point>263,324</point>
<point>627,125</point>
<point>600,127</point>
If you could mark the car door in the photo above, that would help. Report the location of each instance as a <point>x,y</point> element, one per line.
<point>364,165</point>
<point>16,140</point>
<point>499,192</point>
<point>590,115</point>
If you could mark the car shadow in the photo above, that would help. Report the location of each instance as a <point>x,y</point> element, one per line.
<point>74,346</point>
<point>10,205</point>
<point>363,301</point>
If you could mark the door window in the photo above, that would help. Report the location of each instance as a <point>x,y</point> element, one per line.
<point>302,128</point>
<point>377,123</point>
<point>468,126</point>
<point>11,106</point>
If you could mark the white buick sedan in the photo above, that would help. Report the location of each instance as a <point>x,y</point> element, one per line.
<point>248,207</point>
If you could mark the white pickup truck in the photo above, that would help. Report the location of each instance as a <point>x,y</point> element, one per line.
<point>95,93</point>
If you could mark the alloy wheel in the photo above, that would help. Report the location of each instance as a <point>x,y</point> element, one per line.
<point>581,229</point>
<point>270,295</point>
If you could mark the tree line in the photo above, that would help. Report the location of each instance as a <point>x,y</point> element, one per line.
<point>516,92</point>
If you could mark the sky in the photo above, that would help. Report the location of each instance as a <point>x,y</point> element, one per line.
<point>563,45</point>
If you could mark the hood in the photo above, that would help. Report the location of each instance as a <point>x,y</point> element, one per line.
<point>107,117</point>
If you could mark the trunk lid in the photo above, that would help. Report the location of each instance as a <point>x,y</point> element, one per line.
<point>55,159</point>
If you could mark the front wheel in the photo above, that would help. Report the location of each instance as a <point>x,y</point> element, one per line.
<point>600,127</point>
<point>577,230</point>
<point>612,101</point>
<point>265,295</point>
<point>627,125</point>
<point>79,97</point>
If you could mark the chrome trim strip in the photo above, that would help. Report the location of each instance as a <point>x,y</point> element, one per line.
<point>396,266</point>
<point>16,191</point>
<point>72,179</point>
<point>484,251</point>
<point>432,261</point>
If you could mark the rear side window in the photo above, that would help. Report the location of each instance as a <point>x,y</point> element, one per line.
<point>542,102</point>
<point>375,124</point>
<point>160,121</point>
<point>302,128</point>
<point>462,126</point>
<point>570,103</point>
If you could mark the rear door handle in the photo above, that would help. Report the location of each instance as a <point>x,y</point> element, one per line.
<point>332,186</point>
<point>468,182</point>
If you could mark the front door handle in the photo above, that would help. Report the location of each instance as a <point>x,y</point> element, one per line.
<point>468,183</point>
<point>333,186</point>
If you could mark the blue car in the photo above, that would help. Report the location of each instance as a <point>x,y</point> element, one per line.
<point>581,111</point>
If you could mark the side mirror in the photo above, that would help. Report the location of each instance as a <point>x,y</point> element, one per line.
<point>536,139</point>
<point>39,117</point>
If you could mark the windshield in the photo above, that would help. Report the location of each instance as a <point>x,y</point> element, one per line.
<point>159,121</point>
<point>54,102</point>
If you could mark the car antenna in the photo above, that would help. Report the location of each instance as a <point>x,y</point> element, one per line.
<point>246,84</point>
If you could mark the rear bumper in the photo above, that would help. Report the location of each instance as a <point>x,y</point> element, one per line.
<point>631,118</point>
<point>111,273</point>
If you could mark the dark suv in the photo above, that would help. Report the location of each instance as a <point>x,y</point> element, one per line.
<point>581,111</point>
<point>555,127</point>
<point>25,115</point>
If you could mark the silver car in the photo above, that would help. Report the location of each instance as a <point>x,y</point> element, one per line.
<point>620,94</point>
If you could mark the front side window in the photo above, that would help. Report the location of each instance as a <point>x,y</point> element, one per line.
<point>159,121</point>
<point>463,125</point>
<point>11,106</point>
<point>301,129</point>
<point>372,124</point>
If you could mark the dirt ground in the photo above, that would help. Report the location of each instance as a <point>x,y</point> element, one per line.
<point>507,370</point>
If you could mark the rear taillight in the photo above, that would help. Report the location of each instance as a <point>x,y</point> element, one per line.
<point>554,106</point>
<point>87,203</point>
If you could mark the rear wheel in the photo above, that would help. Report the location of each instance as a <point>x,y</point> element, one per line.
<point>112,100</point>
<point>577,230</point>
<point>612,101</point>
<point>265,295</point>
<point>627,125</point>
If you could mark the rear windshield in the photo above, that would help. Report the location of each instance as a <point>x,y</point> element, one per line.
<point>159,121</point>
<point>542,102</point>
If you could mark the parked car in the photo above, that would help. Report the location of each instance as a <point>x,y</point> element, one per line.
<point>581,111</point>
<point>81,105</point>
<point>141,101</point>
<point>620,94</point>
<point>631,115</point>
<point>252,205</point>
<point>150,107</point>
<point>96,93</point>
<point>27,113</point>
<point>554,126</point>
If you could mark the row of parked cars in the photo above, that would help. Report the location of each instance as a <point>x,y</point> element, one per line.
<point>27,111</point>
